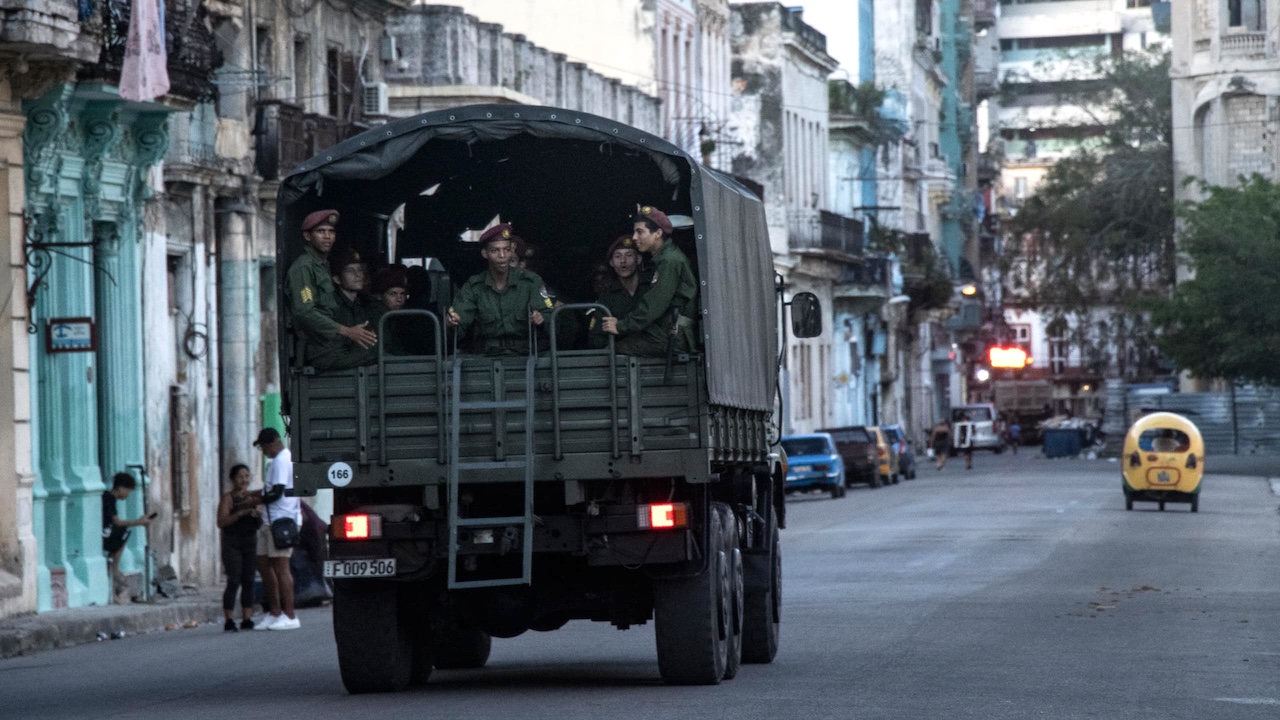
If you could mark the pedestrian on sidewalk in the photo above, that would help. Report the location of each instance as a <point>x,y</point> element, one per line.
<point>940,441</point>
<point>115,531</point>
<point>273,562</point>
<point>239,520</point>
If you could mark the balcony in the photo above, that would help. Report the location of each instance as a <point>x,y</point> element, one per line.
<point>286,136</point>
<point>822,230</point>
<point>193,53</point>
<point>867,278</point>
<point>1244,44</point>
<point>986,83</point>
<point>985,13</point>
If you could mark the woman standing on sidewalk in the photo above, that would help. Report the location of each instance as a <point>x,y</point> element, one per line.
<point>940,441</point>
<point>238,519</point>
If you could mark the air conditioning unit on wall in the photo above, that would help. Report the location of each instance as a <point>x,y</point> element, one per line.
<point>376,99</point>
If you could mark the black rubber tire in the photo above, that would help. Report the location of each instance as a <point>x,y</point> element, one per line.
<point>837,491</point>
<point>762,600</point>
<point>896,478</point>
<point>375,649</point>
<point>1161,506</point>
<point>1195,504</point>
<point>689,624</point>
<point>459,647</point>
<point>1128,503</point>
<point>729,525</point>
<point>875,479</point>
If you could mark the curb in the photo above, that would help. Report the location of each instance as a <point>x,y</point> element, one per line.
<point>67,628</point>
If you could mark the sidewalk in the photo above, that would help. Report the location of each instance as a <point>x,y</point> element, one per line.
<point>28,634</point>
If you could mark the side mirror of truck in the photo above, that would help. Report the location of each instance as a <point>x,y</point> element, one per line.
<point>806,315</point>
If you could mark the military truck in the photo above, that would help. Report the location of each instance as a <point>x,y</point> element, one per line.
<point>485,496</point>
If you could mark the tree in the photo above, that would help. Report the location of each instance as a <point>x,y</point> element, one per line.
<point>1096,241</point>
<point>1222,323</point>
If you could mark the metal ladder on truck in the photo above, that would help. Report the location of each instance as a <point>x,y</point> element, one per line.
<point>499,406</point>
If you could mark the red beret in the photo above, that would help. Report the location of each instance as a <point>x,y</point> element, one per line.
<point>501,231</point>
<point>622,243</point>
<point>318,218</point>
<point>338,261</point>
<point>656,216</point>
<point>392,276</point>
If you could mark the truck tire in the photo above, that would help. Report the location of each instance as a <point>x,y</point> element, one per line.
<point>733,548</point>
<point>691,618</point>
<point>459,647</point>
<point>762,601</point>
<point>375,649</point>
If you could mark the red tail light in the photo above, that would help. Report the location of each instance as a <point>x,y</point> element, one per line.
<point>822,467</point>
<point>663,516</point>
<point>357,526</point>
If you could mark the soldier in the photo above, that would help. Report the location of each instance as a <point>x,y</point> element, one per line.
<point>503,300</point>
<point>350,309</point>
<point>309,288</point>
<point>662,318</point>
<point>622,291</point>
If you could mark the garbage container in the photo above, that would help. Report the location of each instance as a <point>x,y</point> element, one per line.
<point>1062,442</point>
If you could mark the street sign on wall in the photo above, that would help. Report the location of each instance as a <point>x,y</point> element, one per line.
<point>76,334</point>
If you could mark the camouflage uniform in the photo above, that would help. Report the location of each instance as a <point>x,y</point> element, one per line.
<point>644,330</point>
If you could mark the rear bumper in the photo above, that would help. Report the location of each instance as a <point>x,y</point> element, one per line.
<point>812,481</point>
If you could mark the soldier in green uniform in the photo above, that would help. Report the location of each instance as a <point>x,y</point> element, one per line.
<point>667,307</point>
<point>351,309</point>
<point>622,291</point>
<point>502,301</point>
<point>309,290</point>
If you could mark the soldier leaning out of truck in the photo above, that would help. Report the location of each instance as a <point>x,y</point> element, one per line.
<point>503,301</point>
<point>661,320</point>
<point>351,308</point>
<point>309,290</point>
<point>621,290</point>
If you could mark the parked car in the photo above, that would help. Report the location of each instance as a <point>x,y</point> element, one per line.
<point>857,448</point>
<point>975,426</point>
<point>886,466</point>
<point>901,448</point>
<point>813,463</point>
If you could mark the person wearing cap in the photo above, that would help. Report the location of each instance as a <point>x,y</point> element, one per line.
<point>273,562</point>
<point>622,290</point>
<point>390,286</point>
<point>351,309</point>
<point>309,290</point>
<point>502,301</point>
<point>667,306</point>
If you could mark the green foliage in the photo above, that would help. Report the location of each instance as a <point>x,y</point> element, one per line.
<point>1223,323</point>
<point>863,102</point>
<point>1099,231</point>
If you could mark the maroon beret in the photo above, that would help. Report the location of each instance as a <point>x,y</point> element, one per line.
<point>338,261</point>
<point>622,243</point>
<point>392,276</point>
<point>318,218</point>
<point>656,216</point>
<point>501,231</point>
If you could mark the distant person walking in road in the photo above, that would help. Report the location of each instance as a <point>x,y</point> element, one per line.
<point>964,438</point>
<point>1015,435</point>
<point>273,562</point>
<point>115,532</point>
<point>940,441</point>
<point>238,518</point>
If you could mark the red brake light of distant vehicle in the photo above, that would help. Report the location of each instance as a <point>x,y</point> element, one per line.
<point>822,467</point>
<point>357,527</point>
<point>663,516</point>
<point>884,452</point>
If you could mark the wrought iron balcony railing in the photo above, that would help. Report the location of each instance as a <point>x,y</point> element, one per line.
<point>192,50</point>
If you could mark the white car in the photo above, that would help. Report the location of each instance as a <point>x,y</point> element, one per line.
<point>974,426</point>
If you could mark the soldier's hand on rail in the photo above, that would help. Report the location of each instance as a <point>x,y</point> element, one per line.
<point>452,319</point>
<point>359,334</point>
<point>609,325</point>
<point>536,318</point>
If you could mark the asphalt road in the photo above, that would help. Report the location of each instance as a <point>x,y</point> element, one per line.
<point>1021,589</point>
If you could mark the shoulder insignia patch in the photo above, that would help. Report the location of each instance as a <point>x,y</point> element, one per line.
<point>308,295</point>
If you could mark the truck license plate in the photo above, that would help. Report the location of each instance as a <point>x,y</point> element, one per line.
<point>384,567</point>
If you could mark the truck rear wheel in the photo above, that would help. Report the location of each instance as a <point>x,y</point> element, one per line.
<point>733,550</point>
<point>375,649</point>
<point>459,647</point>
<point>692,617</point>
<point>762,601</point>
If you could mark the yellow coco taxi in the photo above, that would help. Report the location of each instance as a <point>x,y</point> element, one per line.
<point>884,464</point>
<point>1163,461</point>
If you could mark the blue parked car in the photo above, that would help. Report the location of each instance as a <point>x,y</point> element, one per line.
<point>813,464</point>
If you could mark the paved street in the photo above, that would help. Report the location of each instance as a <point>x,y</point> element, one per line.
<point>1021,589</point>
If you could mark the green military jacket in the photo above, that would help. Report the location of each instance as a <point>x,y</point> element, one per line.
<point>311,299</point>
<point>671,285</point>
<point>501,319</point>
<point>339,353</point>
<point>620,304</point>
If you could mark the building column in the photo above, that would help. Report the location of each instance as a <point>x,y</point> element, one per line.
<point>239,323</point>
